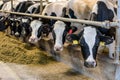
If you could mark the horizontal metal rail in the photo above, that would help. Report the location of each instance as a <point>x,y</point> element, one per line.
<point>105,24</point>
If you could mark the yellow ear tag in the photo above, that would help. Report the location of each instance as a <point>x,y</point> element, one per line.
<point>75,42</point>
<point>102,43</point>
<point>6,23</point>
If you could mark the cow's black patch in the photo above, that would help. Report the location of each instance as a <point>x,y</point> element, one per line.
<point>2,26</point>
<point>72,15</point>
<point>103,12</point>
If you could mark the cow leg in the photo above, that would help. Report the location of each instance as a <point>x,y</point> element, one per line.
<point>111,48</point>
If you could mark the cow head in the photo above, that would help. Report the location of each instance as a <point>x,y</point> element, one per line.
<point>37,29</point>
<point>59,33</point>
<point>4,23</point>
<point>25,24</point>
<point>89,39</point>
<point>14,27</point>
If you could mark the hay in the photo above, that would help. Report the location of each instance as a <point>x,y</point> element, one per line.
<point>13,50</point>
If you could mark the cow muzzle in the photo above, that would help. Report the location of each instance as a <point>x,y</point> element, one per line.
<point>33,39</point>
<point>17,34</point>
<point>90,64</point>
<point>58,48</point>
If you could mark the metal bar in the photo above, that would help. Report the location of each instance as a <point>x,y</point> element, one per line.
<point>47,1</point>
<point>41,6</point>
<point>11,5</point>
<point>95,23</point>
<point>118,35</point>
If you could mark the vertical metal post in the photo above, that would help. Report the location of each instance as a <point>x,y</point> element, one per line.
<point>47,1</point>
<point>118,35</point>
<point>117,72</point>
<point>11,5</point>
<point>41,6</point>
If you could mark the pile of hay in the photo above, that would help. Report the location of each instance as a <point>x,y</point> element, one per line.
<point>13,50</point>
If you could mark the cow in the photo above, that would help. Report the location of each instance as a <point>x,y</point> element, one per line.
<point>25,21</point>
<point>7,7</point>
<point>23,6</point>
<point>110,15</point>
<point>90,37</point>
<point>61,29</point>
<point>55,7</point>
<point>59,33</point>
<point>35,8</point>
<point>14,26</point>
<point>16,20</point>
<point>82,9</point>
<point>52,9</point>
<point>4,17</point>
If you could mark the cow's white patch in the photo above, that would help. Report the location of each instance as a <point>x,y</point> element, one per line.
<point>59,28</point>
<point>33,6</point>
<point>24,20</point>
<point>89,36</point>
<point>55,7</point>
<point>111,48</point>
<point>95,9</point>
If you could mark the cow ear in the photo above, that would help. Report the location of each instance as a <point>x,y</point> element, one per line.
<point>106,39</point>
<point>72,37</point>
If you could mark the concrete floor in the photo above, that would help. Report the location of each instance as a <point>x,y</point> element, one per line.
<point>52,71</point>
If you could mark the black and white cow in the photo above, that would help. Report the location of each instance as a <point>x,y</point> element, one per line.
<point>82,9</point>
<point>14,26</point>
<point>16,21</point>
<point>4,17</point>
<point>26,21</point>
<point>55,7</point>
<point>90,37</point>
<point>106,9</point>
<point>59,33</point>
<point>35,8</point>
<point>7,7</point>
<point>52,9</point>
<point>23,6</point>
<point>61,29</point>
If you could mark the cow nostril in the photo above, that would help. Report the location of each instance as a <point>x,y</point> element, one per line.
<point>32,39</point>
<point>90,64</point>
<point>58,48</point>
